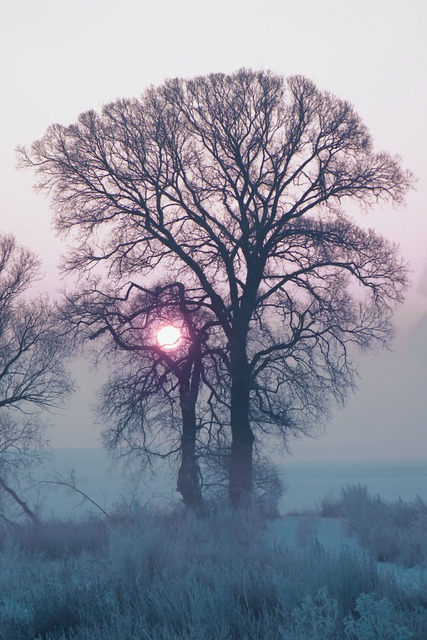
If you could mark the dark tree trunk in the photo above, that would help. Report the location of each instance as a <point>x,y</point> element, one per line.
<point>240,481</point>
<point>188,483</point>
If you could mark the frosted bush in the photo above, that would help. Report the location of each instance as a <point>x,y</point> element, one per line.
<point>374,621</point>
<point>58,538</point>
<point>393,532</point>
<point>413,542</point>
<point>331,506</point>
<point>317,617</point>
<point>361,510</point>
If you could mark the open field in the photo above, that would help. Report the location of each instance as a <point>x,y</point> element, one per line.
<point>167,574</point>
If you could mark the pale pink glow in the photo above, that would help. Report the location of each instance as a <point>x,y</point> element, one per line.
<point>169,337</point>
<point>384,86</point>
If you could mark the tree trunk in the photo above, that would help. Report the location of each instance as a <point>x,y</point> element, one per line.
<point>240,481</point>
<point>188,483</point>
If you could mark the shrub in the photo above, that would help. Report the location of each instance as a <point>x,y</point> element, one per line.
<point>393,532</point>
<point>58,538</point>
<point>375,621</point>
<point>317,617</point>
<point>331,506</point>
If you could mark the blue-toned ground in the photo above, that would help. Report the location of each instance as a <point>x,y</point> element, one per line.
<point>307,482</point>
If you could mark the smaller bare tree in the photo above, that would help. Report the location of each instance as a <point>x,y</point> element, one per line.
<point>149,405</point>
<point>33,378</point>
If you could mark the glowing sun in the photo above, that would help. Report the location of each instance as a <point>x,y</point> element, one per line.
<point>169,337</point>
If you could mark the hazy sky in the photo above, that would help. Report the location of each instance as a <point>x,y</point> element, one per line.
<point>60,58</point>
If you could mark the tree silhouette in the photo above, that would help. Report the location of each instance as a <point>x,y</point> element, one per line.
<point>235,185</point>
<point>32,353</point>
<point>147,379</point>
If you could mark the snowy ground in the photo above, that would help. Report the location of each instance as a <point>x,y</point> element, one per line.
<point>306,530</point>
<point>307,483</point>
<point>228,576</point>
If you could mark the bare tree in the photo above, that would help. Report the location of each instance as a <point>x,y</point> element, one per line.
<point>235,184</point>
<point>147,380</point>
<point>32,374</point>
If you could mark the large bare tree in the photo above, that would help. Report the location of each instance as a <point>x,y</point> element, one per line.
<point>236,185</point>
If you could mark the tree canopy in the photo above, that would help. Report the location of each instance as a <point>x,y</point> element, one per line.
<point>236,186</point>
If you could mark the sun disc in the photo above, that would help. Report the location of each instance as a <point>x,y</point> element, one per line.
<point>169,337</point>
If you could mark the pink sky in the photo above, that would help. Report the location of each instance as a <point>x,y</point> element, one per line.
<point>59,59</point>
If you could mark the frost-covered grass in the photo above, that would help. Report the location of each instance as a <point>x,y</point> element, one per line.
<point>391,531</point>
<point>165,575</point>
